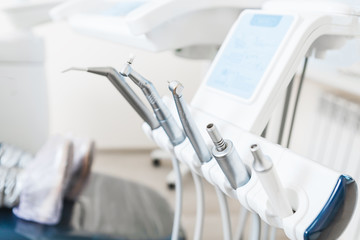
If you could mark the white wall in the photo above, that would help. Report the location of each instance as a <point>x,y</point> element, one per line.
<point>23,92</point>
<point>88,105</point>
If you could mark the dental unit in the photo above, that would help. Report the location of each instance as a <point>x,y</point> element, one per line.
<point>249,74</point>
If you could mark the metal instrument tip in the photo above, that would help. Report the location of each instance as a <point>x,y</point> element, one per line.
<point>261,162</point>
<point>255,148</point>
<point>176,87</point>
<point>131,58</point>
<point>75,69</point>
<point>215,136</point>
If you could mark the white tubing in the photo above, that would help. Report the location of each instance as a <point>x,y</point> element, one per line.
<point>224,211</point>
<point>272,233</point>
<point>255,228</point>
<point>264,230</point>
<point>178,199</point>
<point>241,224</point>
<point>200,203</point>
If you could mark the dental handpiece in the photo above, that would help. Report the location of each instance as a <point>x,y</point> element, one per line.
<point>269,179</point>
<point>228,159</point>
<point>190,128</point>
<point>120,84</point>
<point>162,113</point>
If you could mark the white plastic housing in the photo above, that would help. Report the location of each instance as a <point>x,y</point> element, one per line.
<point>308,185</point>
<point>155,25</point>
<point>307,26</point>
<point>275,191</point>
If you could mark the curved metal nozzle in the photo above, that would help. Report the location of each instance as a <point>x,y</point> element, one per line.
<point>75,69</point>
<point>104,71</point>
<point>261,162</point>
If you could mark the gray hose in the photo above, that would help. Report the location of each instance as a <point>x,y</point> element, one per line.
<point>178,200</point>
<point>225,217</point>
<point>200,203</point>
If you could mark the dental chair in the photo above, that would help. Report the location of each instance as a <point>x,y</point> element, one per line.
<point>108,208</point>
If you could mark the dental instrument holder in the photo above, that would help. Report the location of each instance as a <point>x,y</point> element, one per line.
<point>320,197</point>
<point>162,113</point>
<point>252,69</point>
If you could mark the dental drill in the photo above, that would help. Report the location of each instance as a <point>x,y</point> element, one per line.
<point>162,113</point>
<point>120,84</point>
<point>175,134</point>
<point>190,128</point>
<point>200,150</point>
<point>204,155</point>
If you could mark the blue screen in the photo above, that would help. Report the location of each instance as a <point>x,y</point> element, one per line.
<point>248,52</point>
<point>260,20</point>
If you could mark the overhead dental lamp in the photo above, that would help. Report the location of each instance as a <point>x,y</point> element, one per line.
<point>195,27</point>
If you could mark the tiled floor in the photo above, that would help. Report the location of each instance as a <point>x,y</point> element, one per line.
<point>136,166</point>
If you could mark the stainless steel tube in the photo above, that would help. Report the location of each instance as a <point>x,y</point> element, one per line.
<point>228,158</point>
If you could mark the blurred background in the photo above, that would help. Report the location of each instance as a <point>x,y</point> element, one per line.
<point>38,100</point>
